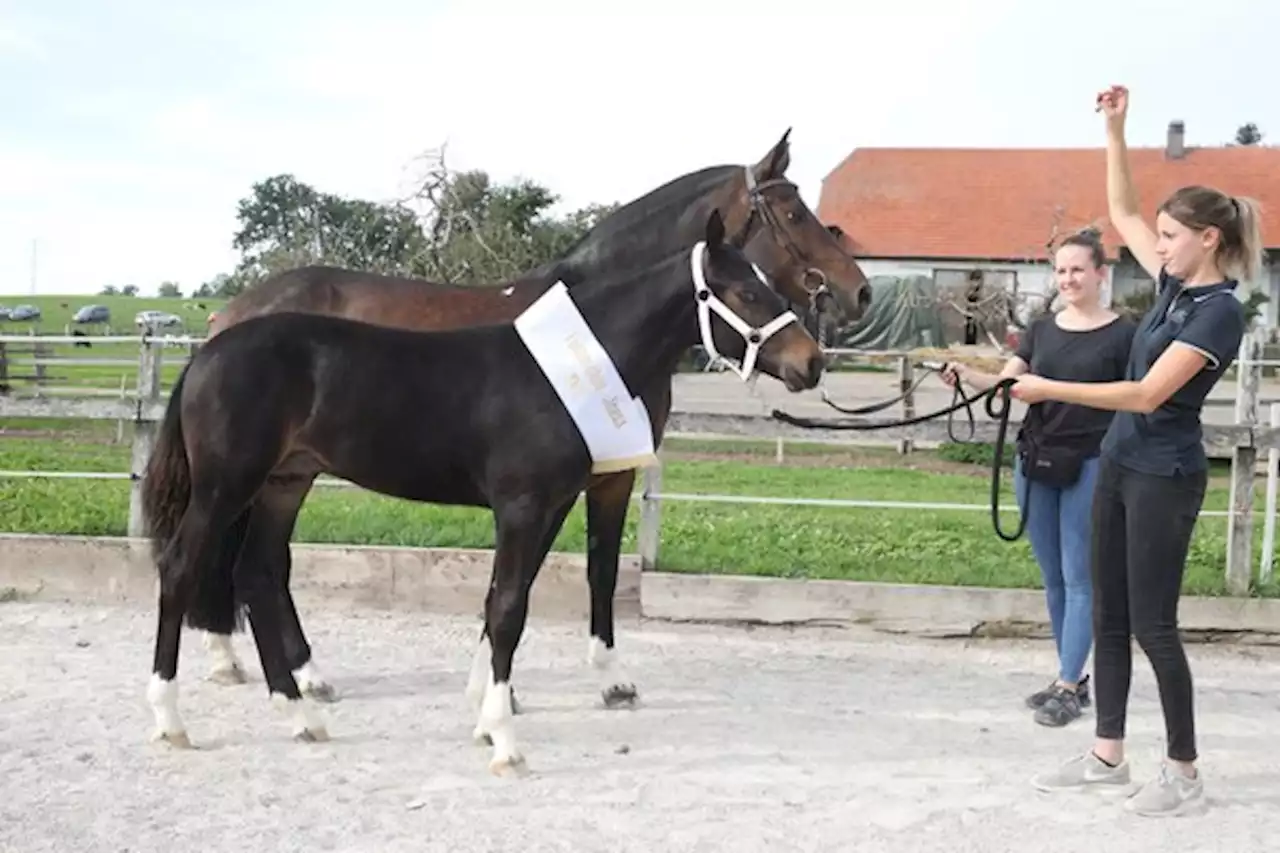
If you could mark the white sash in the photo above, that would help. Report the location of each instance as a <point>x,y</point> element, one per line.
<point>614,425</point>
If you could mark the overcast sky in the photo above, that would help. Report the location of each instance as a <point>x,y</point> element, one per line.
<point>131,128</point>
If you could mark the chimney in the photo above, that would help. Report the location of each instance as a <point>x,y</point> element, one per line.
<point>1176,146</point>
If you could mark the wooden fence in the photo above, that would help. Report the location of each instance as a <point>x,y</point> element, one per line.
<point>144,405</point>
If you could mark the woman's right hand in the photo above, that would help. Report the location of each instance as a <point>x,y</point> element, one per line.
<point>953,373</point>
<point>1113,103</point>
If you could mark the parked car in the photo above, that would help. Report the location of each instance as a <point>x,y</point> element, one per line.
<point>24,312</point>
<point>92,314</point>
<point>156,319</point>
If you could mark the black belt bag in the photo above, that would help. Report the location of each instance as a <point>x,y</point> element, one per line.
<point>1054,465</point>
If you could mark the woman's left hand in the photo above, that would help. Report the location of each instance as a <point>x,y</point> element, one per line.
<point>1030,388</point>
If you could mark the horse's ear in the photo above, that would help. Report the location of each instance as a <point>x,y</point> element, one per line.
<point>715,229</point>
<point>775,163</point>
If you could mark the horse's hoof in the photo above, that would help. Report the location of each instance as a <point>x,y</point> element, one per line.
<point>228,675</point>
<point>620,696</point>
<point>315,735</point>
<point>513,765</point>
<point>322,692</point>
<point>175,740</point>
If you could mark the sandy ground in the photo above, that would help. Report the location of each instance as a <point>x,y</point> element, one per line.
<point>748,739</point>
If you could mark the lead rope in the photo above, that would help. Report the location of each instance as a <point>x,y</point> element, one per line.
<point>1002,389</point>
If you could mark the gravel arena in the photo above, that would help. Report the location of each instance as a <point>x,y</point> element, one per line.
<point>746,739</point>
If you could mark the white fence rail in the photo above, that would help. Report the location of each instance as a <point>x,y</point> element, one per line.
<point>143,405</point>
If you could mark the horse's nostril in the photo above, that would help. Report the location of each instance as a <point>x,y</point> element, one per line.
<point>864,296</point>
<point>816,365</point>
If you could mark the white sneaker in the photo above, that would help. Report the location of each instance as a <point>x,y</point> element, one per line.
<point>1170,794</point>
<point>1083,771</point>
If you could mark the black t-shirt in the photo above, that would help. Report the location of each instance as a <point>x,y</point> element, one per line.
<point>1095,355</point>
<point>1169,440</point>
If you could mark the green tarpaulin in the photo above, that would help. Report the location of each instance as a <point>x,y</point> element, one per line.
<point>903,315</point>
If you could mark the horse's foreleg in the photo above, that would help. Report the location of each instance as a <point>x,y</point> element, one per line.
<point>522,530</point>
<point>478,680</point>
<point>608,499</point>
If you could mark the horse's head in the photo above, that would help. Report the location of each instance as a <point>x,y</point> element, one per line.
<point>742,317</point>
<point>788,242</point>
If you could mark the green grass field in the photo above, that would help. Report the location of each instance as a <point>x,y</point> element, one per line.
<point>904,546</point>
<point>57,312</point>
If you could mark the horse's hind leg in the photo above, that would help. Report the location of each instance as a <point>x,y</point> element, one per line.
<point>226,667</point>
<point>279,505</point>
<point>258,580</point>
<point>188,585</point>
<point>608,499</point>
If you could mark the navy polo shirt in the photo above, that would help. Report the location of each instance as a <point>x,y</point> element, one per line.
<point>1168,441</point>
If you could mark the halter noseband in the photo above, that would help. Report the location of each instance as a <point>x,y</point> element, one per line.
<point>753,337</point>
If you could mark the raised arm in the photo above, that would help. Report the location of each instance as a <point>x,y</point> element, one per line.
<point>1122,199</point>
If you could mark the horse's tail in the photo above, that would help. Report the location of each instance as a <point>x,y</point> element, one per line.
<point>166,484</point>
<point>166,495</point>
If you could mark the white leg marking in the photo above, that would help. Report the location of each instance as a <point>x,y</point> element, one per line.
<point>226,668</point>
<point>163,697</point>
<point>481,669</point>
<point>496,720</point>
<point>312,683</point>
<point>616,690</point>
<point>304,718</point>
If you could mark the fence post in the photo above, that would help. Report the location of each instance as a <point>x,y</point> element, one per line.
<point>41,352</point>
<point>1269,520</point>
<point>1244,458</point>
<point>905,376</point>
<point>144,429</point>
<point>649,530</point>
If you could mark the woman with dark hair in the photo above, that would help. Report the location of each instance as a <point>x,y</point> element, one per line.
<point>1057,460</point>
<point>1154,471</point>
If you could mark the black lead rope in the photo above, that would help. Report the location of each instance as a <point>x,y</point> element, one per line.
<point>1003,389</point>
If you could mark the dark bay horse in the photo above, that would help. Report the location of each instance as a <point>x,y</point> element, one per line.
<point>472,418</point>
<point>764,214</point>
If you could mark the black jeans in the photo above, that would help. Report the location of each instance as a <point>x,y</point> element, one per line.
<point>1142,526</point>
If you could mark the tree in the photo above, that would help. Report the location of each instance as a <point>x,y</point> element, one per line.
<point>169,289</point>
<point>222,286</point>
<point>477,231</point>
<point>285,223</point>
<point>456,228</point>
<point>1248,134</point>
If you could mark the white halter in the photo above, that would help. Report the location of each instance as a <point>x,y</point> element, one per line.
<point>708,302</point>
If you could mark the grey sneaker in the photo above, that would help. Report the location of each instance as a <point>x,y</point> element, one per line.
<point>1059,709</point>
<point>1035,700</point>
<point>1083,771</point>
<point>1169,794</point>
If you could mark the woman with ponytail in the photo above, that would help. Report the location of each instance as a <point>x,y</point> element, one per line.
<point>1154,472</point>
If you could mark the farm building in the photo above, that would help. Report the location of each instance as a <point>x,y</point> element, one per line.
<point>975,220</point>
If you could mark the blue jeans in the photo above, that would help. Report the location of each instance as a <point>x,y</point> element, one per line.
<point>1059,526</point>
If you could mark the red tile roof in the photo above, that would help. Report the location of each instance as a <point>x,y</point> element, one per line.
<point>1003,203</point>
